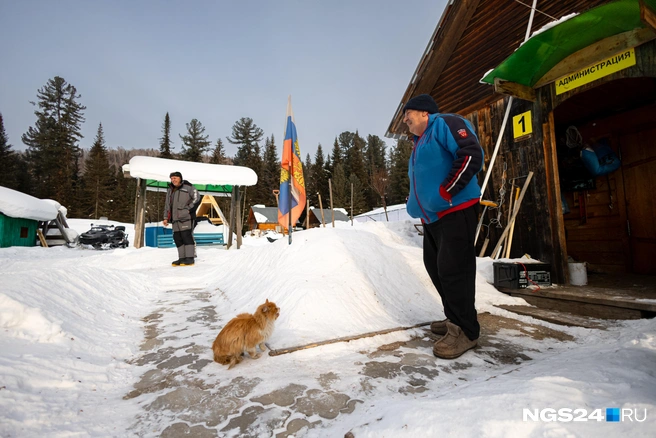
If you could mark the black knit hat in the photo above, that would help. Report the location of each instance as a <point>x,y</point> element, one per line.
<point>178,174</point>
<point>423,102</point>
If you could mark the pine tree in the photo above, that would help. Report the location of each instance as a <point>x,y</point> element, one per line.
<point>320,175</point>
<point>165,141</point>
<point>399,185</point>
<point>270,171</point>
<point>354,165</point>
<point>194,144</point>
<point>246,135</point>
<point>335,158</point>
<point>341,189</point>
<point>310,181</point>
<point>99,179</point>
<point>218,155</point>
<point>8,160</point>
<point>357,188</point>
<point>52,143</point>
<point>124,196</point>
<point>376,168</point>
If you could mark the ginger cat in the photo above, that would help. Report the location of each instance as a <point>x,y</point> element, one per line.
<point>244,333</point>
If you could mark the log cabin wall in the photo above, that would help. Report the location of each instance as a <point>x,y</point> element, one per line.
<point>541,229</point>
<point>533,233</point>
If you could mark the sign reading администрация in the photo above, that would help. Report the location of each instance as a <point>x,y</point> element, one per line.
<point>595,71</point>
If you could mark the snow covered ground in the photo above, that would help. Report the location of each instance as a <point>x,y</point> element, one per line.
<point>117,343</point>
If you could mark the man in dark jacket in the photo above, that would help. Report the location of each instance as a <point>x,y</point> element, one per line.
<point>444,193</point>
<point>181,199</point>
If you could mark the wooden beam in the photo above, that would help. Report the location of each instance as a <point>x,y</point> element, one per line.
<point>647,15</point>
<point>556,219</point>
<point>343,339</point>
<point>140,214</point>
<point>514,89</point>
<point>596,52</point>
<point>438,54</point>
<point>42,239</point>
<point>233,214</point>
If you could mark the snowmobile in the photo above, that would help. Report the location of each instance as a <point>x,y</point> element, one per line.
<point>105,237</point>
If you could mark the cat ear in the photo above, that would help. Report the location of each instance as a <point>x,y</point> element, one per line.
<point>265,309</point>
<point>267,301</point>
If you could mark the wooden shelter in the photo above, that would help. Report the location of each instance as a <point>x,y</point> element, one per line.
<point>263,218</point>
<point>317,218</point>
<point>595,71</point>
<point>152,173</point>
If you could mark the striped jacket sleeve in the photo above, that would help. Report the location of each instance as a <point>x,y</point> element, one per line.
<point>469,157</point>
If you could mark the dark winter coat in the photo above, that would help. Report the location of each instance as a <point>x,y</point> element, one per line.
<point>443,167</point>
<point>180,202</point>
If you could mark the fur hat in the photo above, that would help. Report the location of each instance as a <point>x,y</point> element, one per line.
<point>423,102</point>
<point>178,174</point>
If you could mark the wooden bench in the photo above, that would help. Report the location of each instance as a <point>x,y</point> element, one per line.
<point>202,239</point>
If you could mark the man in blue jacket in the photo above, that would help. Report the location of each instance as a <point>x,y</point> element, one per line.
<point>444,194</point>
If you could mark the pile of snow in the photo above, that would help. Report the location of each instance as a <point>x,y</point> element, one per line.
<point>19,205</point>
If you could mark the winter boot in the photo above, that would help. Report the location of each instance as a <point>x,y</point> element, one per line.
<point>189,261</point>
<point>177,262</point>
<point>453,344</point>
<point>439,327</point>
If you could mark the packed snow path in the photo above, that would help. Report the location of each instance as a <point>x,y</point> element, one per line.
<point>183,392</point>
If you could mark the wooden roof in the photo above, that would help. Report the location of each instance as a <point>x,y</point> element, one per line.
<point>472,37</point>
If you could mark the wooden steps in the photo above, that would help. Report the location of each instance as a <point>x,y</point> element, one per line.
<point>592,301</point>
<point>560,318</point>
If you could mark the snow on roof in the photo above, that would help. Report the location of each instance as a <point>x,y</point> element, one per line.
<point>19,205</point>
<point>197,173</point>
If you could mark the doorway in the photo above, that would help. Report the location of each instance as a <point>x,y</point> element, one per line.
<point>610,220</point>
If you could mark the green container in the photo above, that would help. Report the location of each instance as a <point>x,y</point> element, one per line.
<point>17,231</point>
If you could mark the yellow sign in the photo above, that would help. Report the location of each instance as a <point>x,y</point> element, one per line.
<point>522,125</point>
<point>595,71</point>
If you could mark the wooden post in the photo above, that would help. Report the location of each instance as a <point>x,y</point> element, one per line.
<point>231,225</point>
<point>238,217</point>
<point>351,204</point>
<point>307,215</point>
<point>332,210</point>
<point>323,222</point>
<point>495,251</point>
<point>139,219</point>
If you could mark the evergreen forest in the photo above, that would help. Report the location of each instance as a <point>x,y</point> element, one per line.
<point>89,182</point>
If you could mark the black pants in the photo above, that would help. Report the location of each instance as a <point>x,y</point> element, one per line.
<point>450,259</point>
<point>184,240</point>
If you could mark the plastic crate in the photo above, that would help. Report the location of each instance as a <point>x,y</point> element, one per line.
<point>514,276</point>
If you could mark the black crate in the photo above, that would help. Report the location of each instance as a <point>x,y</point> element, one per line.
<point>513,275</point>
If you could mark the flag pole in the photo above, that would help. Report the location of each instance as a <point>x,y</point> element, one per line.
<point>291,175</point>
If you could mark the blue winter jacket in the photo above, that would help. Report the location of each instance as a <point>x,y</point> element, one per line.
<point>443,167</point>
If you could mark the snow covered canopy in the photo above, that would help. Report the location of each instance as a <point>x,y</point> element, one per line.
<point>530,65</point>
<point>19,205</point>
<point>207,178</point>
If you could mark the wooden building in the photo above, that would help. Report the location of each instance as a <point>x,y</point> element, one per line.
<point>595,71</point>
<point>325,216</point>
<point>263,218</point>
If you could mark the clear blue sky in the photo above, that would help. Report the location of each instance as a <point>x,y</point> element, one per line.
<point>346,64</point>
